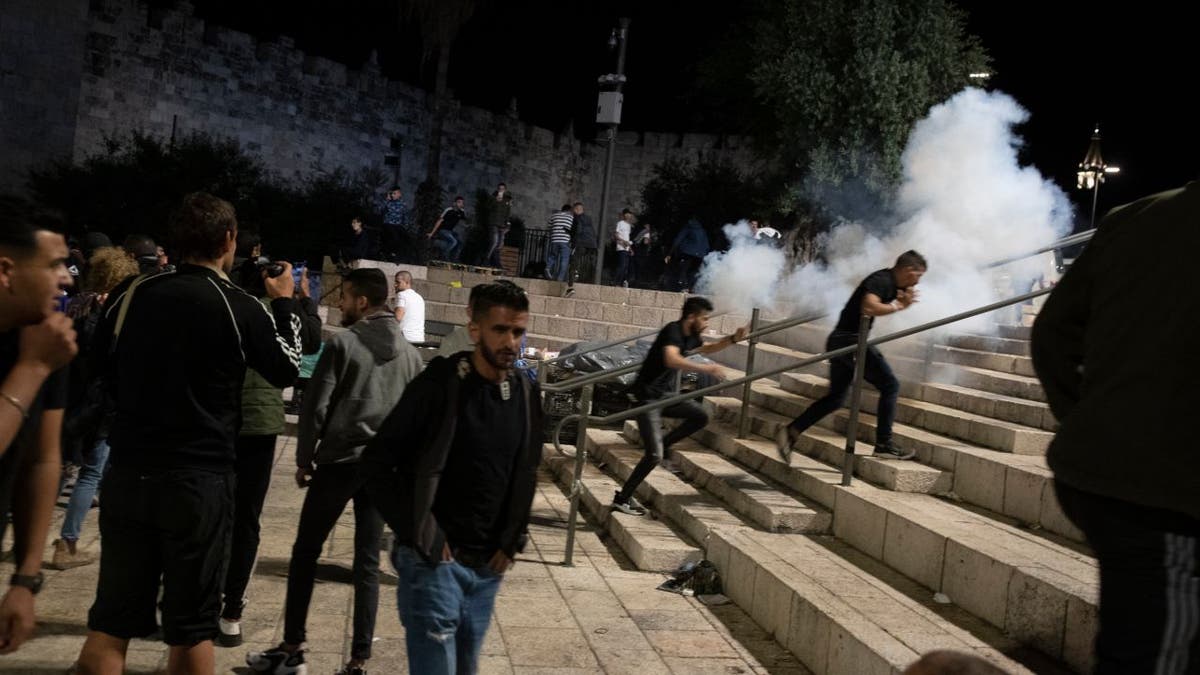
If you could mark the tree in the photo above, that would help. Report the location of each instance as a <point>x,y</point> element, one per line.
<point>842,83</point>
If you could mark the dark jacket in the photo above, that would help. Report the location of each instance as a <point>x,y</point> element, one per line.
<point>262,402</point>
<point>177,368</point>
<point>499,211</point>
<point>583,233</point>
<point>691,240</point>
<point>403,463</point>
<point>1115,349</point>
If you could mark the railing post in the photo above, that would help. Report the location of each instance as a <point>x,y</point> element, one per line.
<point>744,418</point>
<point>585,409</point>
<point>927,364</point>
<point>860,358</point>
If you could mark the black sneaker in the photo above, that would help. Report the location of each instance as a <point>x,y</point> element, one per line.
<point>784,441</point>
<point>889,449</point>
<point>278,661</point>
<point>629,506</point>
<point>351,670</point>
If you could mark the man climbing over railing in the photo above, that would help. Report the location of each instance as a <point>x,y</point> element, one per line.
<point>657,379</point>
<point>884,292</point>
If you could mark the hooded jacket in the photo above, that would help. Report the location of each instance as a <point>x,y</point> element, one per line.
<point>358,380</point>
<point>691,240</point>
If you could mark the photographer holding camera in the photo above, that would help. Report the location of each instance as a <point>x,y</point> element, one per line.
<point>262,422</point>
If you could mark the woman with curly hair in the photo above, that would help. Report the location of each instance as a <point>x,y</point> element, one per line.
<point>87,432</point>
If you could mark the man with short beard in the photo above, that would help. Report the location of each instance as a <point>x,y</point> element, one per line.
<point>453,471</point>
<point>359,378</point>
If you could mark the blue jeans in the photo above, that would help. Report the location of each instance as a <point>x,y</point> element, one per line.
<point>450,245</point>
<point>445,608</point>
<point>85,489</point>
<point>558,260</point>
<point>493,254</point>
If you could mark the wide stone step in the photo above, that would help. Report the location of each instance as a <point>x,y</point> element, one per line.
<point>1014,332</point>
<point>1017,486</point>
<point>986,343</point>
<point>837,617</point>
<point>691,510</point>
<point>829,447</point>
<point>554,289</point>
<point>1040,592</point>
<point>761,503</point>
<point>991,381</point>
<point>542,324</point>
<point>1005,363</point>
<point>978,429</point>
<point>651,544</point>
<point>1008,408</point>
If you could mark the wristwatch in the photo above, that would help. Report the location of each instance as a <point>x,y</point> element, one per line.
<point>33,583</point>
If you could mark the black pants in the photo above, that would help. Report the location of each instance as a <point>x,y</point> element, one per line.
<point>1149,583</point>
<point>171,526</point>
<point>255,456</point>
<point>623,267</point>
<point>331,489</point>
<point>841,375</point>
<point>399,245</point>
<point>650,426</point>
<point>686,269</point>
<point>583,266</point>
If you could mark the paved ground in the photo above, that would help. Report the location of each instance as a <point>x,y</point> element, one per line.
<point>600,616</point>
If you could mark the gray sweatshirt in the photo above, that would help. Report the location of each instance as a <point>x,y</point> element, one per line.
<point>358,380</point>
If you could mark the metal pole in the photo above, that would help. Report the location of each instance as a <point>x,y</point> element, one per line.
<point>1096,198</point>
<point>744,419</point>
<point>585,408</point>
<point>602,214</point>
<point>860,358</point>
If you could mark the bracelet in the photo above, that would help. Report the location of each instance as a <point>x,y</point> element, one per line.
<point>895,306</point>
<point>16,403</point>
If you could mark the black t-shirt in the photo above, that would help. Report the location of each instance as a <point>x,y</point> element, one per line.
<point>52,396</point>
<point>882,284</point>
<point>473,491</point>
<point>451,217</point>
<point>655,379</point>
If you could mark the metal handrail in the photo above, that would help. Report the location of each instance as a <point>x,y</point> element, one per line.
<point>679,398</point>
<point>859,347</point>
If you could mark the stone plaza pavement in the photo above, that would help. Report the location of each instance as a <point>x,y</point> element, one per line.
<point>601,616</point>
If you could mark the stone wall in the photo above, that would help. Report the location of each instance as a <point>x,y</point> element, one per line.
<point>167,71</point>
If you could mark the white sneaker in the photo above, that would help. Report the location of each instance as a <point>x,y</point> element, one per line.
<point>230,633</point>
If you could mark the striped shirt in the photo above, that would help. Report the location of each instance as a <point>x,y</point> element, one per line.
<point>560,227</point>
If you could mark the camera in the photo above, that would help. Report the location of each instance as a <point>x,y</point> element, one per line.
<point>273,268</point>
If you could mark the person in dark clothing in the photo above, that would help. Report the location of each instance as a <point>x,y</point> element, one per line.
<point>884,292</point>
<point>262,422</point>
<point>358,380</point>
<point>1115,349</point>
<point>144,252</point>
<point>453,470</point>
<point>688,250</point>
<point>445,234</point>
<point>399,245</point>
<point>498,221</point>
<point>657,380</point>
<point>36,345</point>
<point>168,502</point>
<point>583,249</point>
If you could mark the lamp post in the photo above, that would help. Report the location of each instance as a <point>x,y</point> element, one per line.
<point>608,113</point>
<point>1092,171</point>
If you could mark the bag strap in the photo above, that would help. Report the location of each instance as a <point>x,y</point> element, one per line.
<point>124,311</point>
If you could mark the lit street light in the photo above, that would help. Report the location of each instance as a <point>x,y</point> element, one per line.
<point>1092,171</point>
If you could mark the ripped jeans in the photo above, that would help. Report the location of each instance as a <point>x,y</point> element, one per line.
<point>445,608</point>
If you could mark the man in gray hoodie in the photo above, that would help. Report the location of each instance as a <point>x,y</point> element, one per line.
<point>357,382</point>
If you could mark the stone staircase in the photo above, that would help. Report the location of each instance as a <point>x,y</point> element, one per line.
<point>964,548</point>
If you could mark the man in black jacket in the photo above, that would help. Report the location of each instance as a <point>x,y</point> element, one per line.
<point>168,495</point>
<point>583,250</point>
<point>453,470</point>
<point>1115,349</point>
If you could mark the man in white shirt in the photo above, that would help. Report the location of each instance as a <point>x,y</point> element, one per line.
<point>410,308</point>
<point>622,236</point>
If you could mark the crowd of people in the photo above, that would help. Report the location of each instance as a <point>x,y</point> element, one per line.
<point>165,385</point>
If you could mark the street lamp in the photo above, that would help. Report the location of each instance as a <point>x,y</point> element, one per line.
<point>608,113</point>
<point>1092,171</point>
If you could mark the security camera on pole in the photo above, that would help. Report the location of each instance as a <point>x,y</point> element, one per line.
<point>608,113</point>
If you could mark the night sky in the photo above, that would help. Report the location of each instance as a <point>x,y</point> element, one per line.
<point>1071,67</point>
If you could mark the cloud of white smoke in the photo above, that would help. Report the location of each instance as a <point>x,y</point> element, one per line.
<point>965,201</point>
